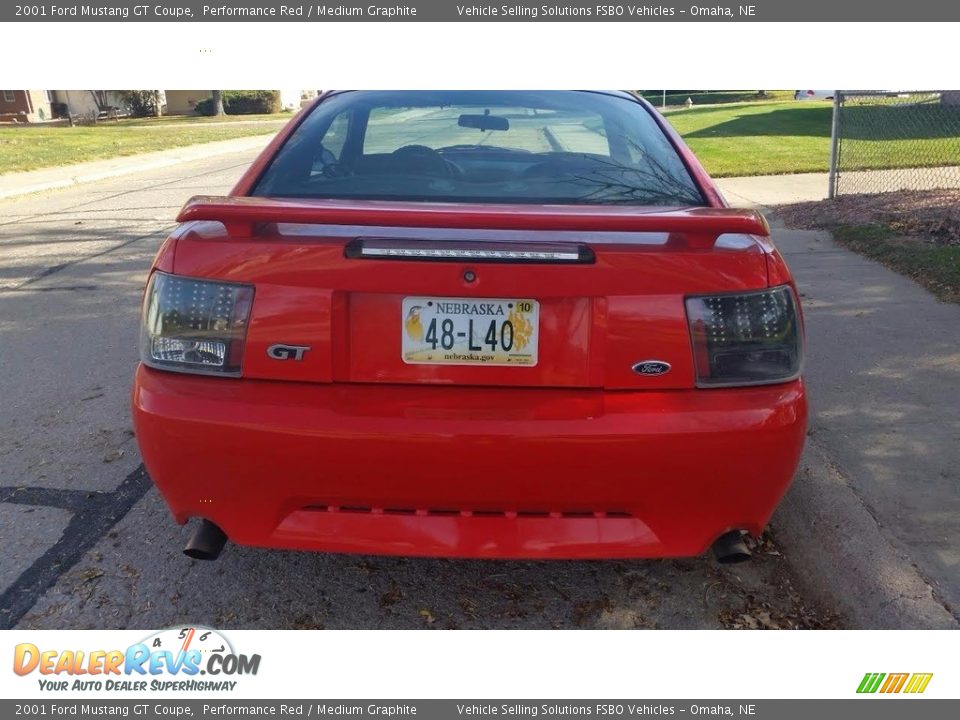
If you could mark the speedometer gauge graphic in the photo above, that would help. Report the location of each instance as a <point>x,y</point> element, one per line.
<point>182,639</point>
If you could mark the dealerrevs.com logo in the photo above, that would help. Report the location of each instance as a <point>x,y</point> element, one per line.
<point>178,659</point>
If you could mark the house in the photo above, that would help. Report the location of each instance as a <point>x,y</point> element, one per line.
<point>31,106</point>
<point>183,102</point>
<point>26,105</point>
<point>86,103</point>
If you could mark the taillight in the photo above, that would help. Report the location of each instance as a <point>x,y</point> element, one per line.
<point>194,326</point>
<point>751,338</point>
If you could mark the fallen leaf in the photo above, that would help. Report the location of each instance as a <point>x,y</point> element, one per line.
<point>749,621</point>
<point>90,574</point>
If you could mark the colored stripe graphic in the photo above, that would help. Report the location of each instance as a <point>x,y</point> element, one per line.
<point>895,683</point>
<point>870,682</point>
<point>918,682</point>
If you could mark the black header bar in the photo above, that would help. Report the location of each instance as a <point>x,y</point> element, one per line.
<point>463,11</point>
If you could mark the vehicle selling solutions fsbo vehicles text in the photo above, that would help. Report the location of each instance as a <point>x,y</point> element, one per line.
<point>602,11</point>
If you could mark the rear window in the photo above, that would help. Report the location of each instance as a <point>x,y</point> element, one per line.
<point>481,146</point>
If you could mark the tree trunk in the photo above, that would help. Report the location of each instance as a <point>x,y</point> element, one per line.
<point>950,97</point>
<point>218,103</point>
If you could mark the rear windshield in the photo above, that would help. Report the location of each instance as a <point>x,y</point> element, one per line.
<point>481,146</point>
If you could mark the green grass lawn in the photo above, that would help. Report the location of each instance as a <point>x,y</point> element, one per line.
<point>774,138</point>
<point>758,138</point>
<point>182,120</point>
<point>31,147</point>
<point>712,97</point>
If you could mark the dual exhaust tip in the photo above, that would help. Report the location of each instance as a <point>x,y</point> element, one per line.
<point>207,541</point>
<point>730,548</point>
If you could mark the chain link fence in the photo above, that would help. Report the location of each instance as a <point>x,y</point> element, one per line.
<point>887,141</point>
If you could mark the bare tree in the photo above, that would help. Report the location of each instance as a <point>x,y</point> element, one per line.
<point>100,98</point>
<point>218,103</point>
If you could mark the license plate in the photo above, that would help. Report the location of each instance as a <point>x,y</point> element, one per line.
<point>470,331</point>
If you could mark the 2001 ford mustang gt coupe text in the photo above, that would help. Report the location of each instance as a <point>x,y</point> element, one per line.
<point>479,324</point>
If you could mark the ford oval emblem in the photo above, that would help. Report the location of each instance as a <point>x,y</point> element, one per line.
<point>651,367</point>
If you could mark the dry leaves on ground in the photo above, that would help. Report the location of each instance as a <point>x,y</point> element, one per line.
<point>930,214</point>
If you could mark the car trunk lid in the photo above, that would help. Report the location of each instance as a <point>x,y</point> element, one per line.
<point>343,279</point>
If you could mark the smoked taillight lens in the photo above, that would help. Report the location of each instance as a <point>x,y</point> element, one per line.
<point>194,326</point>
<point>751,338</point>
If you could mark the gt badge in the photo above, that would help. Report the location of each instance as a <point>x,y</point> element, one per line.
<point>287,352</point>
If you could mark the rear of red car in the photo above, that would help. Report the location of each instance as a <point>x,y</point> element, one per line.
<point>370,348</point>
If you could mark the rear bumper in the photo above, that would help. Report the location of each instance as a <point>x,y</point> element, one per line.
<point>469,472</point>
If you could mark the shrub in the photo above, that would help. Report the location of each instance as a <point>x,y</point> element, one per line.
<point>205,107</point>
<point>243,102</point>
<point>142,103</point>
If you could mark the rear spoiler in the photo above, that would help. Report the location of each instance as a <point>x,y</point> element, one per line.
<point>240,216</point>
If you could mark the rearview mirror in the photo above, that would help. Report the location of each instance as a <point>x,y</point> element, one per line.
<point>484,122</point>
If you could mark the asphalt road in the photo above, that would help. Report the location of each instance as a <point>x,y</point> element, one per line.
<point>867,537</point>
<point>88,543</point>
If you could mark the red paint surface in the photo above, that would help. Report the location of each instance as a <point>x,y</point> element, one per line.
<point>267,460</point>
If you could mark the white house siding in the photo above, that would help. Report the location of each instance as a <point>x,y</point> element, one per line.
<point>82,102</point>
<point>182,102</point>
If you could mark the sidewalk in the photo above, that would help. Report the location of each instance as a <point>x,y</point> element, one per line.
<point>765,190</point>
<point>873,518</point>
<point>23,183</point>
<point>875,510</point>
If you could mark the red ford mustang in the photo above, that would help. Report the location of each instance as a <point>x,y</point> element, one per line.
<point>476,324</point>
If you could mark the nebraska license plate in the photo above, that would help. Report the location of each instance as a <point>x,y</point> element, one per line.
<point>470,331</point>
